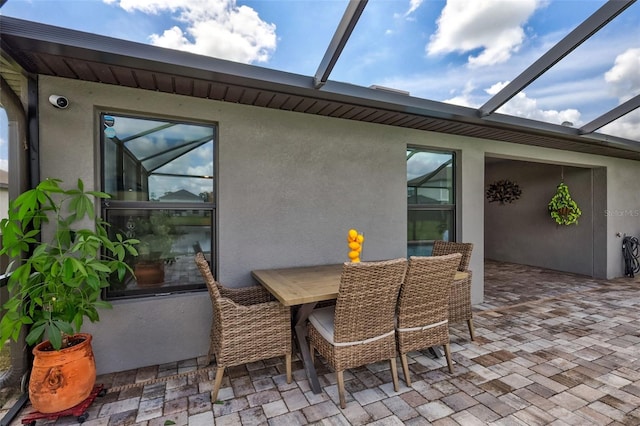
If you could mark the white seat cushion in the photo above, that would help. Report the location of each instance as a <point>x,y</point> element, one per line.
<point>323,321</point>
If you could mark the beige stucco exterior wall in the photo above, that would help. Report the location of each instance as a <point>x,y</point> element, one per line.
<point>289,186</point>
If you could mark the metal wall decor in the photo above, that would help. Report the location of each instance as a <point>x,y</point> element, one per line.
<point>503,191</point>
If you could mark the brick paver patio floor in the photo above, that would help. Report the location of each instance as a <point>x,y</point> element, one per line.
<point>552,348</point>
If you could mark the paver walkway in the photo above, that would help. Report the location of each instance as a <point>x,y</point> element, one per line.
<point>552,349</point>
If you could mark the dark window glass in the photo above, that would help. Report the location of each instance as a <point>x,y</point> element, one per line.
<point>430,199</point>
<point>160,175</point>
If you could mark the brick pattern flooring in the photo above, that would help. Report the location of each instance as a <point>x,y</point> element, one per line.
<point>552,349</point>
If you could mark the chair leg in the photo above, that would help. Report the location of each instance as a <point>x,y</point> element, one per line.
<point>405,369</point>
<point>210,354</point>
<point>288,366</point>
<point>447,353</point>
<point>312,351</point>
<point>471,330</point>
<point>340,375</point>
<point>216,384</point>
<point>394,374</point>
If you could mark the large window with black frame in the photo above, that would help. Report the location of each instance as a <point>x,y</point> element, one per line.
<point>430,199</point>
<point>160,175</point>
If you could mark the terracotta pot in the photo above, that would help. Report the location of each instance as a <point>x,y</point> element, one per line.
<point>62,379</point>
<point>149,273</point>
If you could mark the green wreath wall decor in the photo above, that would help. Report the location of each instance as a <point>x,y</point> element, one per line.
<point>503,191</point>
<point>562,208</point>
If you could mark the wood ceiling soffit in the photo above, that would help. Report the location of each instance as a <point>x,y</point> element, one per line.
<point>413,122</point>
<point>316,107</point>
<point>355,110</point>
<point>330,109</point>
<point>184,86</point>
<point>263,99</point>
<point>200,88</point>
<point>278,100</point>
<point>341,111</point>
<point>58,65</point>
<point>124,76</point>
<point>375,117</point>
<point>83,70</point>
<point>305,105</point>
<point>248,96</point>
<point>388,117</point>
<point>391,118</point>
<point>218,91</point>
<point>364,112</point>
<point>292,103</point>
<point>233,94</point>
<point>163,82</point>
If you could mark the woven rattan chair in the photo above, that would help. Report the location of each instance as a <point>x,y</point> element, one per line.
<point>247,326</point>
<point>460,301</point>
<point>359,330</point>
<point>423,307</point>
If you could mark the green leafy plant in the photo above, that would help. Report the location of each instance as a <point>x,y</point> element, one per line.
<point>562,208</point>
<point>60,282</point>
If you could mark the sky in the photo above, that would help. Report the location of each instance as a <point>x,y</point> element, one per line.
<point>457,51</point>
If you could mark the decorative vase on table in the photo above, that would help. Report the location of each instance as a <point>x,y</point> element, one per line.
<point>355,241</point>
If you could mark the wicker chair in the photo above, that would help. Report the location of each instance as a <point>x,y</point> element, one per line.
<point>460,301</point>
<point>359,330</point>
<point>423,306</point>
<point>247,326</point>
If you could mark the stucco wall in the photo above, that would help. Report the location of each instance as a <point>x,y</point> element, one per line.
<point>524,232</point>
<point>289,186</point>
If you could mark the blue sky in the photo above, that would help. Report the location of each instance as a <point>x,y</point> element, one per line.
<point>458,51</point>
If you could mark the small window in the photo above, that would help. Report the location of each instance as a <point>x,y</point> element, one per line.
<point>160,175</point>
<point>430,199</point>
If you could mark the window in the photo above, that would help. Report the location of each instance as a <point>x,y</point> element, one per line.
<point>430,199</point>
<point>160,175</point>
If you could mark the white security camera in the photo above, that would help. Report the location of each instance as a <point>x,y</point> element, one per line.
<point>59,101</point>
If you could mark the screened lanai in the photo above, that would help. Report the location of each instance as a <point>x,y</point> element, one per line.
<point>546,102</point>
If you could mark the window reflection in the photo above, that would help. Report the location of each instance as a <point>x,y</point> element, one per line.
<point>166,249</point>
<point>430,199</point>
<point>150,163</point>
<point>148,160</point>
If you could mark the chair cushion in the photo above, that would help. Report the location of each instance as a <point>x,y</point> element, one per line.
<point>323,321</point>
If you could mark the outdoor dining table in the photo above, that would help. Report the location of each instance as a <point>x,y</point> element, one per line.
<point>303,287</point>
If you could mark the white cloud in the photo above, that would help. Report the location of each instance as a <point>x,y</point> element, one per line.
<point>520,105</point>
<point>218,28</point>
<point>627,126</point>
<point>494,26</point>
<point>624,77</point>
<point>623,81</point>
<point>413,6</point>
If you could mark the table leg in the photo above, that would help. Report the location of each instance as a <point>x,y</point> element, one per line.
<point>435,352</point>
<point>301,336</point>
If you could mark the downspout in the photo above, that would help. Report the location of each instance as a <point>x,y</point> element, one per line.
<point>18,151</point>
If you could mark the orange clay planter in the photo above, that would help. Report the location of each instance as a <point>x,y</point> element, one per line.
<point>62,379</point>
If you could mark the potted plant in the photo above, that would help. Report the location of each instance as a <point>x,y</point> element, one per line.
<point>57,285</point>
<point>562,208</point>
<point>156,234</point>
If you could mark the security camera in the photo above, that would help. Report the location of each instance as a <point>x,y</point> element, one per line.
<point>59,101</point>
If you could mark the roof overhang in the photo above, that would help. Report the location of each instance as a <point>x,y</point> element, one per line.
<point>40,49</point>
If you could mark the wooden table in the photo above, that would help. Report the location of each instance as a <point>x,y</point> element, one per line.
<point>304,287</point>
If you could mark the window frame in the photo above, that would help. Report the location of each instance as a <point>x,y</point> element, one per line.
<point>112,205</point>
<point>448,207</point>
